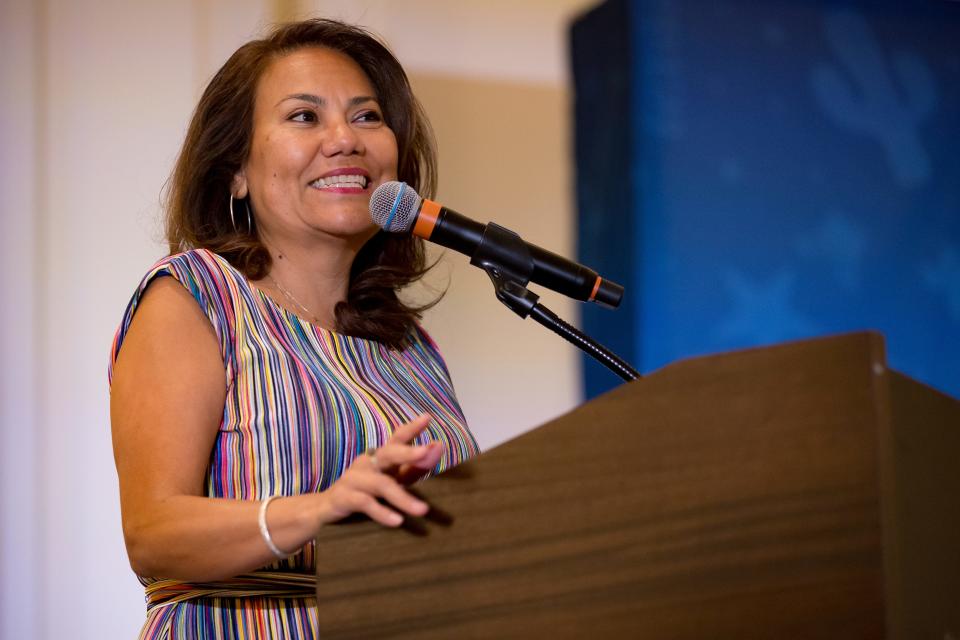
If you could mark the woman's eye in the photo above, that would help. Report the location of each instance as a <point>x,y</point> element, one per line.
<point>369,116</point>
<point>303,116</point>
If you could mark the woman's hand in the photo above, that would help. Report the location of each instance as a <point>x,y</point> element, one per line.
<point>382,475</point>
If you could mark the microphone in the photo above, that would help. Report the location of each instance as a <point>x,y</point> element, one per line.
<point>396,207</point>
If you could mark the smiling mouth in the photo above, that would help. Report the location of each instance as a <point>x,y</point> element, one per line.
<point>349,181</point>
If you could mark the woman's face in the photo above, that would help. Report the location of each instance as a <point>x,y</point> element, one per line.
<point>320,147</point>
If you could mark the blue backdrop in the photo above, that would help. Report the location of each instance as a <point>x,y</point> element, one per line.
<point>758,171</point>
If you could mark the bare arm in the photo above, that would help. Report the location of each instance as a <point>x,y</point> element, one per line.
<point>167,399</point>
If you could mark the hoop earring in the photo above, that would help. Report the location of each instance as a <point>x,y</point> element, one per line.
<point>246,203</point>
<point>233,220</point>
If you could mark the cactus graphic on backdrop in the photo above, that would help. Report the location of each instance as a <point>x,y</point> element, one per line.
<point>865,94</point>
<point>762,311</point>
<point>838,242</point>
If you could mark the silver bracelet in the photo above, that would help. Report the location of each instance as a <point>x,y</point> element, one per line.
<point>264,532</point>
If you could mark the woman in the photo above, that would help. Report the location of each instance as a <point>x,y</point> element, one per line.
<point>257,364</point>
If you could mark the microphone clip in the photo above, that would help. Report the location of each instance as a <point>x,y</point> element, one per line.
<point>511,293</point>
<point>506,259</point>
<point>503,251</point>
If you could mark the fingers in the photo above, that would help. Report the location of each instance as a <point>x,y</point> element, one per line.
<point>374,477</point>
<point>412,471</point>
<point>390,458</point>
<point>398,450</point>
<point>433,453</point>
<point>361,491</point>
<point>395,495</point>
<point>405,434</point>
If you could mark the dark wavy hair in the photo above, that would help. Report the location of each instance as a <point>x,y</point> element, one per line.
<point>218,142</point>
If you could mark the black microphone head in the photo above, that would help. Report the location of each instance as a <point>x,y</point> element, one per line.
<point>394,206</point>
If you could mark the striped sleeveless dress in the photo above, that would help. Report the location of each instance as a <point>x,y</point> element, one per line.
<point>302,403</point>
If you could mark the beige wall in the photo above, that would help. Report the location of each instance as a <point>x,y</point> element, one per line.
<point>504,157</point>
<point>95,101</point>
<point>522,41</point>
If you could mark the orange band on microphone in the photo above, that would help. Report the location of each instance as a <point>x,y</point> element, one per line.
<point>596,287</point>
<point>426,219</point>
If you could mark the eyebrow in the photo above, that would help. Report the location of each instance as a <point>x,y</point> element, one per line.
<point>320,102</point>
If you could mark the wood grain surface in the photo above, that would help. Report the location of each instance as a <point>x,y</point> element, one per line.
<point>732,496</point>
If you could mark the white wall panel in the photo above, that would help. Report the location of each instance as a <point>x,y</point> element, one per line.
<point>19,472</point>
<point>110,86</point>
<point>119,80</point>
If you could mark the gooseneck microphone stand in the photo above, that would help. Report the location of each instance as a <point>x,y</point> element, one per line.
<point>507,261</point>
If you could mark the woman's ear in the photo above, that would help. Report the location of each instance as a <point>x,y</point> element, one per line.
<point>238,187</point>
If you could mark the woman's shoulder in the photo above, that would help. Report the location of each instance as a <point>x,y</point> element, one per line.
<point>209,277</point>
<point>217,286</point>
<point>212,282</point>
<point>421,337</point>
<point>196,263</point>
<point>427,351</point>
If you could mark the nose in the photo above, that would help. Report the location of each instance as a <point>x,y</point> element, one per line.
<point>340,139</point>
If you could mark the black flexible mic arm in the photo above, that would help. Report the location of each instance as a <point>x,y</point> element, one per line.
<point>504,256</point>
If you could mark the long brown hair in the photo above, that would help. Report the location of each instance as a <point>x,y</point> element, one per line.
<point>218,142</point>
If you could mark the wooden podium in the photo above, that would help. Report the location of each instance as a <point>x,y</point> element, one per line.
<point>799,491</point>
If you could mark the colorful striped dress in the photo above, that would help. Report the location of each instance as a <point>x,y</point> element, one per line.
<point>302,403</point>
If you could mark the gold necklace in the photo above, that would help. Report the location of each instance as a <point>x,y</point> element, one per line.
<point>290,297</point>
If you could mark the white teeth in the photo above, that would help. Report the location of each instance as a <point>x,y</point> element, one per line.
<point>340,181</point>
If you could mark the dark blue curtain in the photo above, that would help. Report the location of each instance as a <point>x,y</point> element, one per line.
<point>765,170</point>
